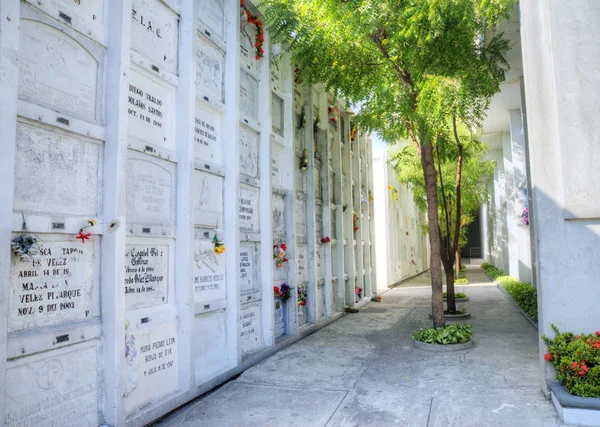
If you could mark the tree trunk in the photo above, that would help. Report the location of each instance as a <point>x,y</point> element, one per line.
<point>450,294</point>
<point>437,301</point>
<point>458,262</point>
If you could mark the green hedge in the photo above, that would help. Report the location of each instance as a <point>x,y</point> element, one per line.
<point>524,294</point>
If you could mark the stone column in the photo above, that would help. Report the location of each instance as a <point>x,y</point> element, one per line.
<point>510,219</point>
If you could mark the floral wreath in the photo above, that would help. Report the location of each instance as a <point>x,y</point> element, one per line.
<point>259,39</point>
<point>285,292</point>
<point>279,254</point>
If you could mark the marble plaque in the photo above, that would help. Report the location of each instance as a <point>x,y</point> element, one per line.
<point>210,70</point>
<point>247,275</point>
<point>88,12</point>
<point>57,72</point>
<point>151,367</point>
<point>251,330</point>
<point>146,275</point>
<point>248,211</point>
<point>208,144</point>
<point>248,95</point>
<point>56,172</point>
<point>320,261</point>
<point>278,218</point>
<point>150,191</point>
<point>247,49</point>
<point>248,152</point>
<point>154,29</point>
<point>279,316</point>
<point>208,199</point>
<point>320,301</point>
<point>277,114</point>
<point>150,108</point>
<point>57,388</point>
<point>209,272</point>
<point>299,175</point>
<point>319,222</point>
<point>300,206</point>
<point>212,14</point>
<point>210,344</point>
<point>302,257</point>
<point>277,75</point>
<point>318,185</point>
<point>276,170</point>
<point>59,284</point>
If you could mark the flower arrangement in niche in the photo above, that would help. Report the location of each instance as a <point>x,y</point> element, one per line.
<point>325,239</point>
<point>525,216</point>
<point>363,195</point>
<point>284,292</point>
<point>376,298</point>
<point>370,197</point>
<point>279,254</point>
<point>358,292</point>
<point>304,160</point>
<point>352,132</point>
<point>259,39</point>
<point>355,219</point>
<point>301,296</point>
<point>219,246</point>
<point>82,234</point>
<point>333,112</point>
<point>297,78</point>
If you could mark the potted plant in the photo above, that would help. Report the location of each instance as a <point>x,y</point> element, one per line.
<point>453,337</point>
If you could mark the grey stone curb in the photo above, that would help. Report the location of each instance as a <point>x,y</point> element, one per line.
<point>454,316</point>
<point>443,348</point>
<point>534,323</point>
<point>460,299</point>
<point>568,400</point>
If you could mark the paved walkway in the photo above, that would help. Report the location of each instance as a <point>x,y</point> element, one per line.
<point>363,371</point>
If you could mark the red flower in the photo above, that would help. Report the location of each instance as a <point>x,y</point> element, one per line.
<point>597,333</point>
<point>548,357</point>
<point>83,236</point>
<point>257,57</point>
<point>283,246</point>
<point>574,365</point>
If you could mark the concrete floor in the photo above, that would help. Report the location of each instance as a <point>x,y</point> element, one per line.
<point>363,371</point>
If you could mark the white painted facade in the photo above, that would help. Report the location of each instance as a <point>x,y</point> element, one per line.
<point>154,118</point>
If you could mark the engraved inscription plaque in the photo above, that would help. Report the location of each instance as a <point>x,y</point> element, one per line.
<point>300,205</point>
<point>302,256</point>
<point>150,109</point>
<point>154,29</point>
<point>278,218</point>
<point>248,259</point>
<point>209,272</point>
<point>248,95</point>
<point>251,330</point>
<point>146,275</point>
<point>277,122</point>
<point>59,284</point>
<point>208,199</point>
<point>248,214</point>
<point>211,13</point>
<point>247,50</point>
<point>276,170</point>
<point>248,152</point>
<point>57,72</point>
<point>207,136</point>
<point>210,69</point>
<point>56,172</point>
<point>58,388</point>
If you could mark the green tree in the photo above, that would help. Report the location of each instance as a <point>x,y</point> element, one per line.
<point>410,63</point>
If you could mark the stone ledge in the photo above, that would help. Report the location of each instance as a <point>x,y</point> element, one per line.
<point>443,348</point>
<point>461,316</point>
<point>575,409</point>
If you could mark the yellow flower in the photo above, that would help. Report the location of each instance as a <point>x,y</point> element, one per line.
<point>219,249</point>
<point>92,222</point>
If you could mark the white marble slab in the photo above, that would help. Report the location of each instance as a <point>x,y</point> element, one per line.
<point>277,113</point>
<point>208,199</point>
<point>247,51</point>
<point>211,13</point>
<point>58,285</point>
<point>250,330</point>
<point>208,143</point>
<point>249,95</point>
<point>278,220</point>
<point>276,164</point>
<point>249,208</point>
<point>249,152</point>
<point>209,272</point>
<point>248,259</point>
<point>56,172</point>
<point>210,71</point>
<point>210,344</point>
<point>147,273</point>
<point>301,260</point>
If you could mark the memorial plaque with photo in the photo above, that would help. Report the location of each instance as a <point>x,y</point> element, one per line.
<point>300,206</point>
<point>251,331</point>
<point>208,199</point>
<point>248,213</point>
<point>151,367</point>
<point>278,218</point>
<point>302,257</point>
<point>210,343</point>
<point>207,136</point>
<point>211,13</point>
<point>154,29</point>
<point>247,50</point>
<point>56,172</point>
<point>276,171</point>
<point>150,190</point>
<point>210,71</point>
<point>209,272</point>
<point>248,95</point>
<point>58,388</point>
<point>277,114</point>
<point>146,275</point>
<point>248,152</point>
<point>58,285</point>
<point>57,72</point>
<point>248,259</point>
<point>150,109</point>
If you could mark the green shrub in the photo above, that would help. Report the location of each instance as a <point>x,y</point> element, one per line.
<point>524,294</point>
<point>463,268</point>
<point>451,334</point>
<point>461,281</point>
<point>576,360</point>
<point>457,295</point>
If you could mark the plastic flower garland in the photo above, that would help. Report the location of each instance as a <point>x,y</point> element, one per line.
<point>284,292</point>
<point>259,39</point>
<point>219,245</point>
<point>279,254</point>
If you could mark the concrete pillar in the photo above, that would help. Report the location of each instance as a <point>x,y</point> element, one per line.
<point>511,222</point>
<point>519,202</point>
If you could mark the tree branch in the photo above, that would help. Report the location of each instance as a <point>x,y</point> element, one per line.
<point>458,182</point>
<point>444,202</point>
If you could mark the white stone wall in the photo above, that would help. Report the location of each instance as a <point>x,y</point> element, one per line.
<point>154,119</point>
